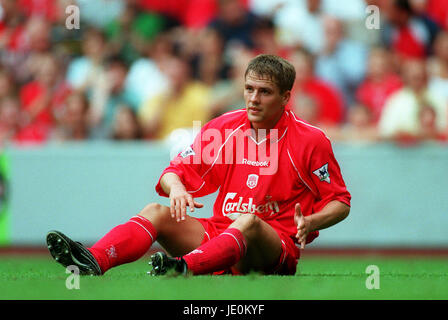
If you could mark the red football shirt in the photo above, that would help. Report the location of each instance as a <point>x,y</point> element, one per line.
<point>293,164</point>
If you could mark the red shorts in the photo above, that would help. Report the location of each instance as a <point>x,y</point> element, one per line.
<point>288,259</point>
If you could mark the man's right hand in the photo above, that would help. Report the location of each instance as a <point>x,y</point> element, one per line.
<point>179,197</point>
<point>179,200</point>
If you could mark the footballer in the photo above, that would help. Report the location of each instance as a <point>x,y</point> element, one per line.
<point>278,184</point>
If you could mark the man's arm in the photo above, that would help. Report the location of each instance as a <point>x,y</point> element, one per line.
<point>179,197</point>
<point>334,212</point>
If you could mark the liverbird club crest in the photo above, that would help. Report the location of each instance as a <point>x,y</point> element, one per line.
<point>252,180</point>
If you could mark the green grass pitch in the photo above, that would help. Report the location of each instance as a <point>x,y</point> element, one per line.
<point>39,277</point>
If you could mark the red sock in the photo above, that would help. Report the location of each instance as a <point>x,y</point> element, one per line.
<point>218,254</point>
<point>125,243</point>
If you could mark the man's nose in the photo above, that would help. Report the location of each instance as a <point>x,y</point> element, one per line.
<point>254,98</point>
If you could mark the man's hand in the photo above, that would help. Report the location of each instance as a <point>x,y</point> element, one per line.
<point>303,226</point>
<point>179,197</point>
<point>179,200</point>
<point>333,212</point>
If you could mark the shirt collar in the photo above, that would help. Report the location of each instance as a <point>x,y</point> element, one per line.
<point>281,126</point>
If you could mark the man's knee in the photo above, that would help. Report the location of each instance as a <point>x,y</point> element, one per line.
<point>248,224</point>
<point>155,211</point>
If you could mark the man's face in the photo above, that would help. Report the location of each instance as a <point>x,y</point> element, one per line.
<point>264,102</point>
<point>415,75</point>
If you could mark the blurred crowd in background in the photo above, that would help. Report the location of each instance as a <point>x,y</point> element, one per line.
<point>140,69</point>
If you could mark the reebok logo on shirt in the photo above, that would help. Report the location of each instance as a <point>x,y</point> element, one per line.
<point>256,163</point>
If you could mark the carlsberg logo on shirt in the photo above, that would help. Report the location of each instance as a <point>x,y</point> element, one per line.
<point>233,209</point>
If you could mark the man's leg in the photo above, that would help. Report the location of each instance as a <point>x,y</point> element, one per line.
<point>249,244</point>
<point>177,238</point>
<point>129,241</point>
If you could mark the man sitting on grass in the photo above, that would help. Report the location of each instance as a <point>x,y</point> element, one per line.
<point>278,180</point>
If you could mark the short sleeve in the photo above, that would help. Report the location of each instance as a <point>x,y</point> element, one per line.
<point>195,173</point>
<point>326,175</point>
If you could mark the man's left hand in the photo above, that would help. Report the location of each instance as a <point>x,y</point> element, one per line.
<point>303,226</point>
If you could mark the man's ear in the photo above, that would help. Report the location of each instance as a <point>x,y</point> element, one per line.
<point>286,97</point>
